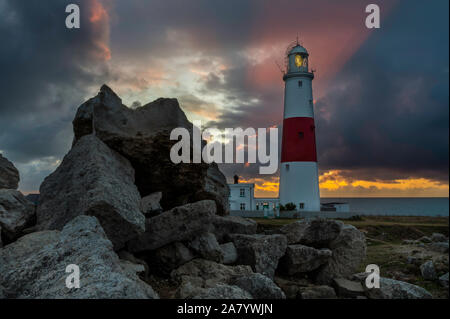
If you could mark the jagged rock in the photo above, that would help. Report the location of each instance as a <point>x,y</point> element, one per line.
<point>16,213</point>
<point>142,135</point>
<point>428,271</point>
<point>300,259</point>
<point>318,232</point>
<point>443,280</point>
<point>437,237</point>
<point>439,247</point>
<point>348,251</point>
<point>261,252</point>
<point>425,239</point>
<point>221,291</point>
<point>92,180</point>
<point>259,286</point>
<point>9,175</point>
<point>139,265</point>
<point>202,273</point>
<point>178,224</point>
<point>347,288</point>
<point>229,253</point>
<point>394,289</point>
<point>170,257</point>
<point>207,247</point>
<point>34,266</point>
<point>150,204</point>
<point>292,289</point>
<point>226,225</point>
<point>2,293</point>
<point>317,292</point>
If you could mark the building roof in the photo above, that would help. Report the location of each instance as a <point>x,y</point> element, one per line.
<point>298,49</point>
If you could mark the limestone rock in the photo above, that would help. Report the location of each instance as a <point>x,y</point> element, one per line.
<point>9,175</point>
<point>226,225</point>
<point>42,259</point>
<point>317,232</point>
<point>16,213</point>
<point>150,204</point>
<point>229,253</point>
<point>300,259</point>
<point>394,289</point>
<point>92,180</point>
<point>170,257</point>
<point>443,280</point>
<point>347,288</point>
<point>201,273</point>
<point>261,252</point>
<point>428,271</point>
<point>222,291</point>
<point>348,251</point>
<point>259,286</point>
<point>440,247</point>
<point>437,237</point>
<point>207,247</point>
<point>317,292</point>
<point>142,135</point>
<point>178,224</point>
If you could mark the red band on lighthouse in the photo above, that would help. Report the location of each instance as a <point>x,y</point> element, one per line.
<point>299,140</point>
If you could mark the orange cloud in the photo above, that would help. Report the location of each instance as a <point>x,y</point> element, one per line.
<point>99,19</point>
<point>333,184</point>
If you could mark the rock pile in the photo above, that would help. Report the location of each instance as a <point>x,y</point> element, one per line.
<point>133,222</point>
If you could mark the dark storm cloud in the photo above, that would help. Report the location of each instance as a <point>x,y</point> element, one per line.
<point>387,112</point>
<point>385,115</point>
<point>46,71</point>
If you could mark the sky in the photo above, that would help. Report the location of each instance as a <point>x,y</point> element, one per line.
<point>381,95</point>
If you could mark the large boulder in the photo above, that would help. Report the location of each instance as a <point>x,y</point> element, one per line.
<point>302,259</point>
<point>198,274</point>
<point>348,288</point>
<point>35,265</point>
<point>428,271</point>
<point>92,180</point>
<point>142,135</point>
<point>206,246</point>
<point>317,232</point>
<point>221,291</point>
<point>150,205</point>
<point>170,257</point>
<point>316,292</point>
<point>394,289</point>
<point>9,175</point>
<point>229,253</point>
<point>437,237</point>
<point>181,223</point>
<point>348,251</point>
<point>261,252</point>
<point>16,213</point>
<point>226,225</point>
<point>259,286</point>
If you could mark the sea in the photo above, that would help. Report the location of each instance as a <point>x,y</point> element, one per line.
<point>396,206</point>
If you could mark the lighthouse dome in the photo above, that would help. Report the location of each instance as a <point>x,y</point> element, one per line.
<point>298,49</point>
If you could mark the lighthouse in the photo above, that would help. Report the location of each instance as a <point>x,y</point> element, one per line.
<point>299,183</point>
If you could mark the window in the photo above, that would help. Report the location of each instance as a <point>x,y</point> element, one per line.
<point>242,206</point>
<point>287,167</point>
<point>242,192</point>
<point>300,84</point>
<point>257,206</point>
<point>301,205</point>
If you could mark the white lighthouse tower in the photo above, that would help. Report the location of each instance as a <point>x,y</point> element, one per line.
<point>299,182</point>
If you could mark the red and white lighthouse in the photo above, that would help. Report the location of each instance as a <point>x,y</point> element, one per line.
<point>299,182</point>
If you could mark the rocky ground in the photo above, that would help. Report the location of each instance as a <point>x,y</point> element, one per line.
<point>139,226</point>
<point>400,245</point>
